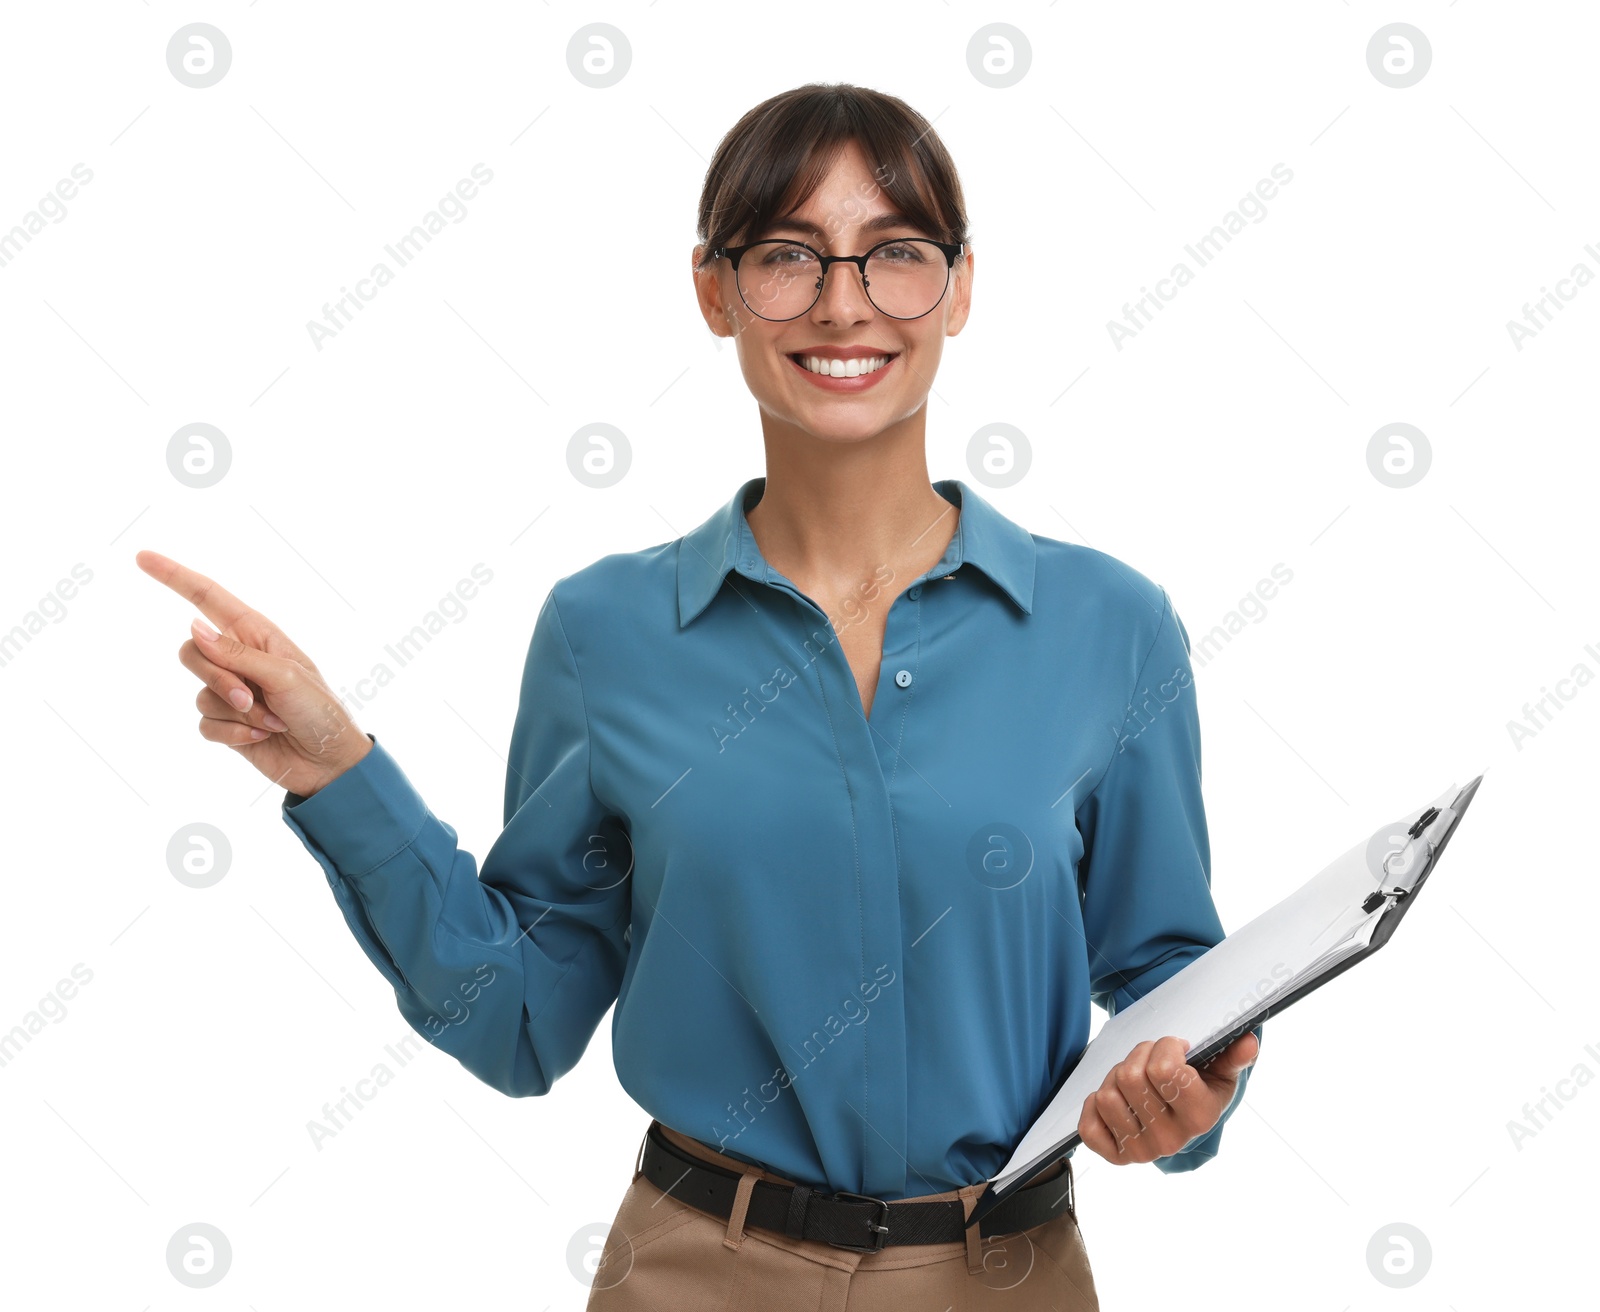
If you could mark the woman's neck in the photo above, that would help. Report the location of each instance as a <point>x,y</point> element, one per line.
<point>833,516</point>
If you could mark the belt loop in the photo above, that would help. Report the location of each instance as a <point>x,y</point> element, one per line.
<point>969,1200</point>
<point>741,1203</point>
<point>799,1200</point>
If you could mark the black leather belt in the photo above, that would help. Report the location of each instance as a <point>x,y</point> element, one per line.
<point>845,1220</point>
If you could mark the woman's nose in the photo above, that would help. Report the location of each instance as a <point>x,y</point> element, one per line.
<point>843,298</point>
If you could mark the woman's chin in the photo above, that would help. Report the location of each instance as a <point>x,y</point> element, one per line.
<point>840,420</point>
<point>831,429</point>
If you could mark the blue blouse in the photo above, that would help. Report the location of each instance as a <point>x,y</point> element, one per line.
<point>858,950</point>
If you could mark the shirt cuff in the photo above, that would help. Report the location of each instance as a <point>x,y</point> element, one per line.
<point>364,816</point>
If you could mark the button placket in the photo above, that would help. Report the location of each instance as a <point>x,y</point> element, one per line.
<point>869,753</point>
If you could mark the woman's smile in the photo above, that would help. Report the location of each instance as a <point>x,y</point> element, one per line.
<point>851,369</point>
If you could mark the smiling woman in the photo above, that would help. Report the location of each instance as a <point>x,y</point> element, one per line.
<point>811,183</point>
<point>919,788</point>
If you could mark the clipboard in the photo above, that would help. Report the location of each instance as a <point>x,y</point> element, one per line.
<point>1368,889</point>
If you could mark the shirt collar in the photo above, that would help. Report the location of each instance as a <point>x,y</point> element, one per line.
<point>1000,547</point>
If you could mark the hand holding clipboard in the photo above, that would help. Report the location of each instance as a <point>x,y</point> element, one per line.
<point>1341,916</point>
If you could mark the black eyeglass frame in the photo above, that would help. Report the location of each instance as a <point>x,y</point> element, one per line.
<point>950,250</point>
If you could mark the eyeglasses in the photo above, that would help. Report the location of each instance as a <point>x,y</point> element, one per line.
<point>904,277</point>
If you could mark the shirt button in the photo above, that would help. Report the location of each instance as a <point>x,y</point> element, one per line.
<point>915,592</point>
<point>903,678</point>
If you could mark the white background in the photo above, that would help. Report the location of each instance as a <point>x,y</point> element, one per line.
<point>366,478</point>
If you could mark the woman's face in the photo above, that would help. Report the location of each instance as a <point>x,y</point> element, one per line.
<point>846,214</point>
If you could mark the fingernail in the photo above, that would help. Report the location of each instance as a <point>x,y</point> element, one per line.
<point>241,698</point>
<point>205,631</point>
<point>272,721</point>
<point>257,733</point>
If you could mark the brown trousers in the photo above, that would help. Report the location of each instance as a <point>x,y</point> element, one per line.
<point>662,1254</point>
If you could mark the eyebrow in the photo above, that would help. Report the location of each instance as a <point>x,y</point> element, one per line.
<point>878,223</point>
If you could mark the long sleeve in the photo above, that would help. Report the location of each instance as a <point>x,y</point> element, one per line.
<point>1146,868</point>
<point>510,972</point>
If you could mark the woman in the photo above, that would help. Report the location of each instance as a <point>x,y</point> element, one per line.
<point>850,799</point>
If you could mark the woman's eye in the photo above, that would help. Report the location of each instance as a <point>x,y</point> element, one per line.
<point>786,255</point>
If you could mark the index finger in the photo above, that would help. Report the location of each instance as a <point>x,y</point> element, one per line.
<point>206,595</point>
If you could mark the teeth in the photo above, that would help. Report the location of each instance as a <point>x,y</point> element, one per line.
<point>844,368</point>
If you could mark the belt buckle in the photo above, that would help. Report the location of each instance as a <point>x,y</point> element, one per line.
<point>879,1229</point>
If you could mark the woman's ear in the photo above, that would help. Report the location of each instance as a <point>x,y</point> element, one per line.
<point>960,292</point>
<point>708,294</point>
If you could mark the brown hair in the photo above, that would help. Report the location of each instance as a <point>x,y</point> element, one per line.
<point>774,157</point>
